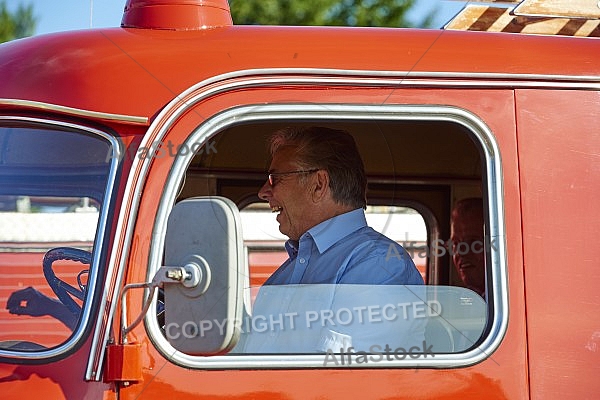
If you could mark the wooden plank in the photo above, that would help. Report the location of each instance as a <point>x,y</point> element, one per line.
<point>499,19</point>
<point>587,9</point>
<point>469,16</point>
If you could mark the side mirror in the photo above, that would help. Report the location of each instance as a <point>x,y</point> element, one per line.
<point>205,270</point>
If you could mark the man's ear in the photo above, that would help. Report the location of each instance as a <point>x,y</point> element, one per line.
<point>320,187</point>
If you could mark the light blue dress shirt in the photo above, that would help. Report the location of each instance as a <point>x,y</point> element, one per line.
<point>344,250</point>
<point>311,304</point>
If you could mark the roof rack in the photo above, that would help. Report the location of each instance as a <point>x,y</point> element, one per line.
<point>541,17</point>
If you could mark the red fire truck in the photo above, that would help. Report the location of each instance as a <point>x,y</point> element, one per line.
<point>133,242</point>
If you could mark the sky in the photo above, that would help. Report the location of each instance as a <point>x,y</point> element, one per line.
<point>64,15</point>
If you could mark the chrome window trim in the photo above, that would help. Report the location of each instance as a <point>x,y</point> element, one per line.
<point>419,78</point>
<point>262,113</point>
<point>85,319</point>
<point>78,112</point>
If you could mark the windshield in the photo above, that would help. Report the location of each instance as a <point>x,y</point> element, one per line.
<point>53,187</point>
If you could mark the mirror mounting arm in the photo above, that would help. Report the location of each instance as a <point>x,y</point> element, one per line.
<point>190,276</point>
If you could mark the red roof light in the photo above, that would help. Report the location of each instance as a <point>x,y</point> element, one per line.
<point>176,14</point>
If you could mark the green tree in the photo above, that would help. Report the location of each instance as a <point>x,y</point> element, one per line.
<point>388,13</point>
<point>16,25</point>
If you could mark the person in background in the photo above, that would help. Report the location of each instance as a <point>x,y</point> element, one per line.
<point>468,245</point>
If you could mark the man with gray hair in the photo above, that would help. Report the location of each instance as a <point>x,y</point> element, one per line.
<point>337,265</point>
<point>317,187</point>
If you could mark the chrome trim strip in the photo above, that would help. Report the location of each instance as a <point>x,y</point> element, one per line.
<point>219,84</point>
<point>420,78</point>
<point>99,242</point>
<point>74,111</point>
<point>342,112</point>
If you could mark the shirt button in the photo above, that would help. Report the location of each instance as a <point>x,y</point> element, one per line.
<point>302,261</point>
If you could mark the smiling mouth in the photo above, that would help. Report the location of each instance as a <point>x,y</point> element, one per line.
<point>275,209</point>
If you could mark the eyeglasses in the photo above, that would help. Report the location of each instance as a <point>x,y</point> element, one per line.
<point>273,175</point>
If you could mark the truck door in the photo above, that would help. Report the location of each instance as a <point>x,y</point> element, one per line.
<point>421,146</point>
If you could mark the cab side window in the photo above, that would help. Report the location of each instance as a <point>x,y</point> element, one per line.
<point>416,172</point>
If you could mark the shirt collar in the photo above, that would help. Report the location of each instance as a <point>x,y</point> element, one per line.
<point>331,231</point>
<point>291,246</point>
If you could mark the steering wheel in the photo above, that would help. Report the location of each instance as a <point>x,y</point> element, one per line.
<point>62,289</point>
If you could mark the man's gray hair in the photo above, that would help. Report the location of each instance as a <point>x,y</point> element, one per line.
<point>332,150</point>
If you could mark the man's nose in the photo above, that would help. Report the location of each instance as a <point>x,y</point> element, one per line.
<point>265,192</point>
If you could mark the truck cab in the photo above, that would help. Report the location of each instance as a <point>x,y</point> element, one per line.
<point>134,246</point>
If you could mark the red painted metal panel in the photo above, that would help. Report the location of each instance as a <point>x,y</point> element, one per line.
<point>559,156</point>
<point>58,380</point>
